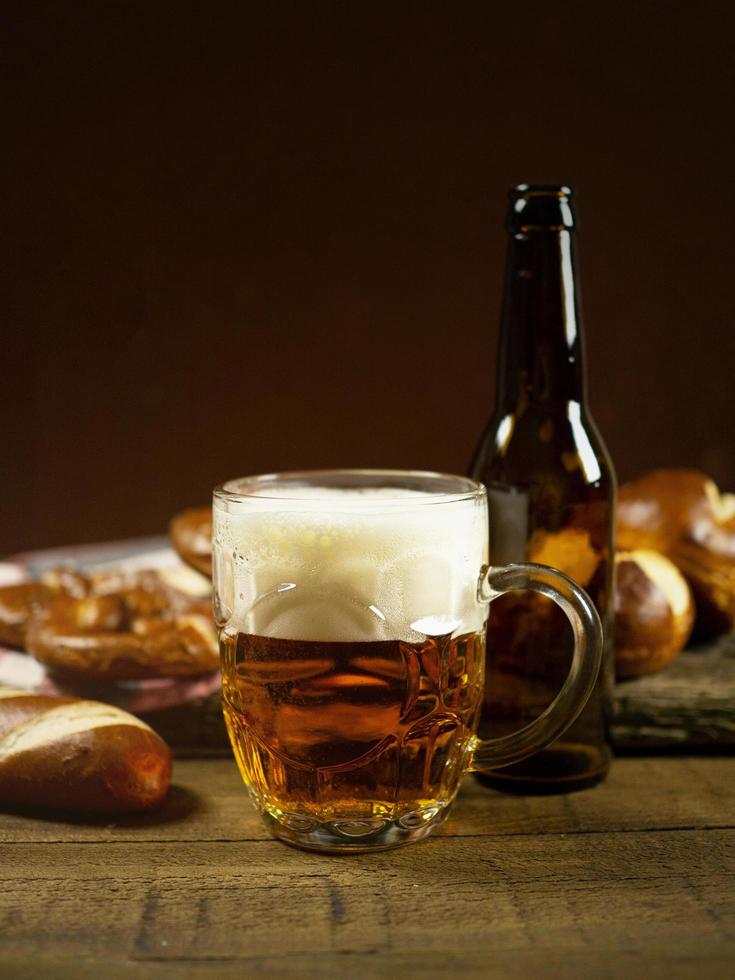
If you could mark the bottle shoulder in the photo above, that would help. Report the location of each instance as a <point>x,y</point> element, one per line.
<point>542,443</point>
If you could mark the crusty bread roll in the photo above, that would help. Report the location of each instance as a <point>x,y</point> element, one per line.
<point>85,756</point>
<point>664,506</point>
<point>682,514</point>
<point>654,612</point>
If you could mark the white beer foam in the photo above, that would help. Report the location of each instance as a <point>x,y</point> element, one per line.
<point>350,565</point>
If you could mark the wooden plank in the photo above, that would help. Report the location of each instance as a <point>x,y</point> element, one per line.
<point>599,883</point>
<point>195,902</point>
<point>209,802</point>
<point>656,962</point>
<point>193,730</point>
<point>690,704</point>
<point>639,793</point>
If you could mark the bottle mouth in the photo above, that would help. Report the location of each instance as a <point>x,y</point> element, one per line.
<point>540,190</point>
<point>540,207</point>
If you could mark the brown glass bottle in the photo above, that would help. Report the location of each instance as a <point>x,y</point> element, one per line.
<point>551,494</point>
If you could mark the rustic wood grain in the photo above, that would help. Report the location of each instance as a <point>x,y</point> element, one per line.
<point>656,962</point>
<point>689,704</point>
<point>194,902</point>
<point>633,878</point>
<point>208,802</point>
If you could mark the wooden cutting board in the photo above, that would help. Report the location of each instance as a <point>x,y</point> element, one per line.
<point>688,705</point>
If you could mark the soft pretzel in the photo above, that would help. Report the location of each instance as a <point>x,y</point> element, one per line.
<point>113,627</point>
<point>18,604</point>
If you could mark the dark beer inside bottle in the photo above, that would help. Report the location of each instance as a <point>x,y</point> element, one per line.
<point>550,495</point>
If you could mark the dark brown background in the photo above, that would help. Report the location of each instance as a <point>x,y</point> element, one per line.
<point>271,238</point>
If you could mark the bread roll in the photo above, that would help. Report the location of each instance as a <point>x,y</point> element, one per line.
<point>191,536</point>
<point>682,514</point>
<point>654,612</point>
<point>85,756</point>
<point>663,506</point>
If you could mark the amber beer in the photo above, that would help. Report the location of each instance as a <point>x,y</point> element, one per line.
<point>551,495</point>
<point>351,608</point>
<point>353,731</point>
<point>352,642</point>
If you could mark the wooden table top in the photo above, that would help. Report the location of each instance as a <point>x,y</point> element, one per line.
<point>635,878</point>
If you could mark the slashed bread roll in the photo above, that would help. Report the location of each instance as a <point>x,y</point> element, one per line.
<point>68,754</point>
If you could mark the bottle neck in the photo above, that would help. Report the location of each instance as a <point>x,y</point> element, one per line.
<point>540,357</point>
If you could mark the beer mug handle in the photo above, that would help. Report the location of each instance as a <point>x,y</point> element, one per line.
<point>586,659</point>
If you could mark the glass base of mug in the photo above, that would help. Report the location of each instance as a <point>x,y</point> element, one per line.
<point>355,836</point>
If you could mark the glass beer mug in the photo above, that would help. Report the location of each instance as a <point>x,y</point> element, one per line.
<point>351,607</point>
